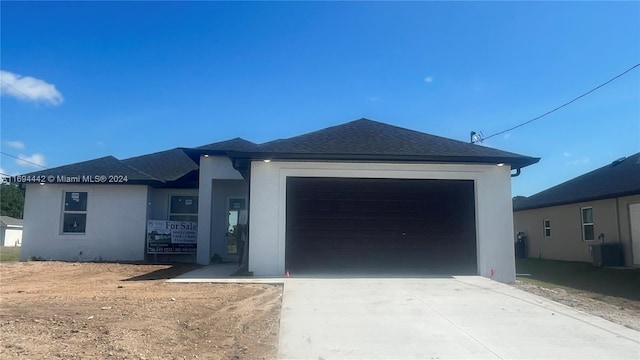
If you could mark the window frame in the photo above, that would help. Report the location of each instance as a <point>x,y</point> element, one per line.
<point>64,212</point>
<point>585,224</point>
<point>171,215</point>
<point>546,228</point>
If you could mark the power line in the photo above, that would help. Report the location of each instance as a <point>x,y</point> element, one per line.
<point>18,90</point>
<point>21,159</point>
<point>557,108</point>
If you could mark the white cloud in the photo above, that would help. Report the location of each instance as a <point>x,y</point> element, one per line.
<point>15,144</point>
<point>428,79</point>
<point>566,154</point>
<point>584,160</point>
<point>28,88</point>
<point>35,160</point>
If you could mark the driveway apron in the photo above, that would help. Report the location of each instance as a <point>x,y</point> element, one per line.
<point>439,318</point>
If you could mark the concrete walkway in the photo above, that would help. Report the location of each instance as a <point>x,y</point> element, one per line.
<point>439,318</point>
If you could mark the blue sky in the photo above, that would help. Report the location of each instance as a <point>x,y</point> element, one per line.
<point>131,78</point>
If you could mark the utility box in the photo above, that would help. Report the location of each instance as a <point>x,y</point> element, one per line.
<point>607,254</point>
<point>521,245</point>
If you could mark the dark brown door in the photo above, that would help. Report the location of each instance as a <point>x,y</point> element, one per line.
<point>380,225</point>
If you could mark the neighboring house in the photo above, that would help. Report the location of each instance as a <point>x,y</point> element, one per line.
<point>563,222</point>
<point>10,231</point>
<point>360,196</point>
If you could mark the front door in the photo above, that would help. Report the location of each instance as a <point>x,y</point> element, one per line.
<point>236,209</point>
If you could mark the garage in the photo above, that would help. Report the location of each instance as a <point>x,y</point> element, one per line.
<point>368,197</point>
<point>379,225</point>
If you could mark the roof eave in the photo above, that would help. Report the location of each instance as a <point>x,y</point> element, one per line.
<point>195,154</point>
<point>515,163</point>
<point>578,200</point>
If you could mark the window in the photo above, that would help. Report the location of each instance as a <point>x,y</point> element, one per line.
<point>546,224</point>
<point>587,224</point>
<point>74,213</point>
<point>183,208</point>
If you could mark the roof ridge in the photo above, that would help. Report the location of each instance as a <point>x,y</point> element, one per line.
<point>235,139</point>
<point>108,159</point>
<point>130,162</point>
<point>143,172</point>
<point>134,168</point>
<point>153,153</point>
<point>318,131</point>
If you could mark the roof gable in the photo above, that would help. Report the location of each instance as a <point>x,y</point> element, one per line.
<point>620,178</point>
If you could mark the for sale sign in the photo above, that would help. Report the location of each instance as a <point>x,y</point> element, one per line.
<point>171,237</point>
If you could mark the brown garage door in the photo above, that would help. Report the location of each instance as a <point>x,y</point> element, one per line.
<point>380,226</point>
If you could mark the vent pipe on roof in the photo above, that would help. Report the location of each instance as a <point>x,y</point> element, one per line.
<point>476,137</point>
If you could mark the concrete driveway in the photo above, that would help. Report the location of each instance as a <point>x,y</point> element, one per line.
<point>439,318</point>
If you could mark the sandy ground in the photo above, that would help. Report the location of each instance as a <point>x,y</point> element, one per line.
<point>55,310</point>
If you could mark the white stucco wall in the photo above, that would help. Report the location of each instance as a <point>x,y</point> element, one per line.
<point>494,220</point>
<point>115,230</point>
<point>211,168</point>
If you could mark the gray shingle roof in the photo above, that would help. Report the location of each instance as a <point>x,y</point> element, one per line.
<point>9,221</point>
<point>106,166</point>
<point>169,165</point>
<point>373,140</point>
<point>362,139</point>
<point>237,144</point>
<point>620,178</point>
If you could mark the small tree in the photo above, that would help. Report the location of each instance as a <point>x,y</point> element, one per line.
<point>11,201</point>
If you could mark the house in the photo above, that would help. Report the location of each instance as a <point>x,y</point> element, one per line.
<point>10,231</point>
<point>361,196</point>
<point>567,220</point>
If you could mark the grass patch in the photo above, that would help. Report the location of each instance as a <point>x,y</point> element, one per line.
<point>9,253</point>
<point>580,276</point>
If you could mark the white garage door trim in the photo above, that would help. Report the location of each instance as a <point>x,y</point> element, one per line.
<point>494,217</point>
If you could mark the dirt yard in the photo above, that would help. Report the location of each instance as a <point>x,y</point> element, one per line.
<point>618,310</point>
<point>55,310</point>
